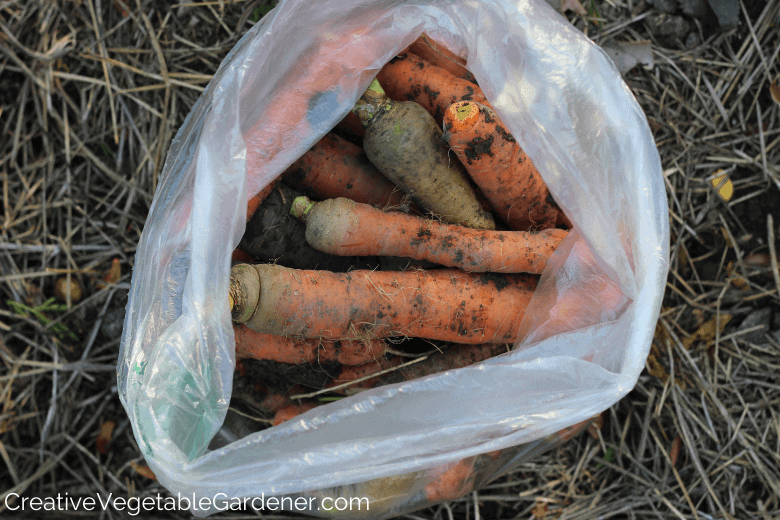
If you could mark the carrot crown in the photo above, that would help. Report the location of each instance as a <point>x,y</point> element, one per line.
<point>371,102</point>
<point>301,207</point>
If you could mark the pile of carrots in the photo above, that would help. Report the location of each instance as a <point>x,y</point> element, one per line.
<point>407,242</point>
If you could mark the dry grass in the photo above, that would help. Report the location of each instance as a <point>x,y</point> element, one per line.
<point>91,94</point>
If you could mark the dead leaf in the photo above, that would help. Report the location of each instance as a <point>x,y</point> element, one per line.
<point>115,272</point>
<point>723,186</point>
<point>143,470</point>
<point>104,437</point>
<point>627,55</point>
<point>573,5</point>
<point>674,453</point>
<point>706,333</point>
<point>568,5</point>
<point>774,89</point>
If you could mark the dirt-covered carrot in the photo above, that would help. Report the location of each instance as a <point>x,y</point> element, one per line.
<point>404,142</point>
<point>499,167</point>
<point>436,54</point>
<point>258,345</point>
<point>445,304</point>
<point>272,235</point>
<point>344,227</point>
<point>335,167</point>
<point>411,78</point>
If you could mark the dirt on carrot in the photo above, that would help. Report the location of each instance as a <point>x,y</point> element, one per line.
<point>444,304</point>
<point>436,54</point>
<point>334,167</point>
<point>273,235</point>
<point>344,227</point>
<point>257,345</point>
<point>411,78</point>
<point>499,167</point>
<point>403,141</point>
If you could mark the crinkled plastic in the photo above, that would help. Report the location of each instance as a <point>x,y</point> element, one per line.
<point>584,339</point>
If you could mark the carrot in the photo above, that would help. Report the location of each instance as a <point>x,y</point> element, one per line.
<point>287,412</point>
<point>403,141</point>
<point>455,482</point>
<point>352,127</point>
<point>445,304</point>
<point>436,54</point>
<point>335,167</point>
<point>344,227</point>
<point>257,345</point>
<point>356,372</point>
<point>499,167</point>
<point>272,235</point>
<point>255,202</point>
<point>411,78</point>
<point>454,356</point>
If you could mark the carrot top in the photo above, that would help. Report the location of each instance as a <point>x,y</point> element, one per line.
<point>371,102</point>
<point>462,115</point>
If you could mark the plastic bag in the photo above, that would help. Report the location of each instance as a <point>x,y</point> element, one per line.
<point>291,78</point>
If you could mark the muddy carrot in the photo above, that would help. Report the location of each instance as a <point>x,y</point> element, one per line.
<point>445,304</point>
<point>257,345</point>
<point>404,142</point>
<point>272,235</point>
<point>499,167</point>
<point>411,78</point>
<point>438,55</point>
<point>335,167</point>
<point>344,227</point>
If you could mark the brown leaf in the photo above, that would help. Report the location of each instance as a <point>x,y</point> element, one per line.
<point>104,437</point>
<point>115,273</point>
<point>143,470</point>
<point>573,5</point>
<point>774,89</point>
<point>706,333</point>
<point>674,453</point>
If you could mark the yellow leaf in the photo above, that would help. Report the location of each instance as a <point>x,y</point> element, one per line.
<point>723,186</point>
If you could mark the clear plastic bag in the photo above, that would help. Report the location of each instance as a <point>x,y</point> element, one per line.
<point>584,338</point>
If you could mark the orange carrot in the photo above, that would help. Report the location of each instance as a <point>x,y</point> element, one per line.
<point>455,482</point>
<point>499,167</point>
<point>257,345</point>
<point>445,304</point>
<point>354,373</point>
<point>403,141</point>
<point>454,356</point>
<point>335,167</point>
<point>352,126</point>
<point>411,78</point>
<point>436,54</point>
<point>272,235</point>
<point>287,412</point>
<point>258,199</point>
<point>241,256</point>
<point>344,227</point>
